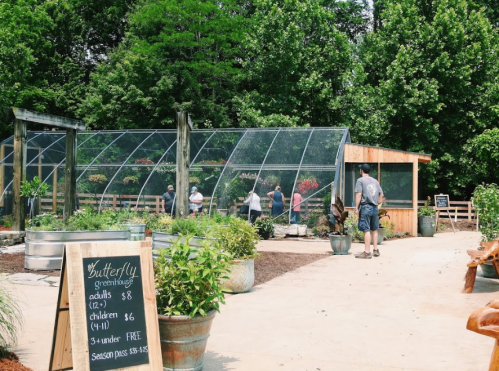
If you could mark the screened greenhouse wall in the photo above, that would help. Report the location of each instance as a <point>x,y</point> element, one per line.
<point>134,167</point>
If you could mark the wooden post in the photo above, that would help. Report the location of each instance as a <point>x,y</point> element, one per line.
<point>414,224</point>
<point>183,163</point>
<point>20,151</point>
<point>70,175</point>
<point>2,174</point>
<point>39,199</point>
<point>54,190</point>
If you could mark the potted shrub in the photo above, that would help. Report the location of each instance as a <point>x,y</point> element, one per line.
<point>239,239</point>
<point>47,235</point>
<point>341,241</point>
<point>33,190</point>
<point>265,226</point>
<point>382,213</point>
<point>427,222</point>
<point>486,201</point>
<point>188,294</point>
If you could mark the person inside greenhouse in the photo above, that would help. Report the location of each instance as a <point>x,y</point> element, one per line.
<point>167,203</point>
<point>277,200</point>
<point>368,192</point>
<point>295,212</point>
<point>255,209</point>
<point>195,201</point>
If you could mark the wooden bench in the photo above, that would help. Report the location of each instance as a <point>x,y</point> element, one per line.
<point>485,321</point>
<point>489,254</point>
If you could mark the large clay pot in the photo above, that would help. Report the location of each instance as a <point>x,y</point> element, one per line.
<point>427,225</point>
<point>241,276</point>
<point>341,244</point>
<point>183,341</point>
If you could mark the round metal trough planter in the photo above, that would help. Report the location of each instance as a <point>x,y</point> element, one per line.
<point>138,231</point>
<point>341,244</point>
<point>44,248</point>
<point>183,341</point>
<point>241,276</point>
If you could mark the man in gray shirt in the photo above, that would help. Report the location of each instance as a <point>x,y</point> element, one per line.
<point>368,194</point>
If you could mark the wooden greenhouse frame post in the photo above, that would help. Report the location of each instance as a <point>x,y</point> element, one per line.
<point>2,173</point>
<point>22,117</point>
<point>183,163</point>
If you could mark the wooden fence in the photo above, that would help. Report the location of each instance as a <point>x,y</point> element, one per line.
<point>464,209</point>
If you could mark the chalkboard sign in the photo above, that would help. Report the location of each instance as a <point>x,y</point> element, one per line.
<point>441,201</point>
<point>106,316</point>
<point>114,301</point>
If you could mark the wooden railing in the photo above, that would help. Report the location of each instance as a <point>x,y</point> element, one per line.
<point>153,202</point>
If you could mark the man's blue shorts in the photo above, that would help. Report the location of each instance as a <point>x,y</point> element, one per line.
<point>368,218</point>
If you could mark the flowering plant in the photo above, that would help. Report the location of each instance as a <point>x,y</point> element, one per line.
<point>144,161</point>
<point>130,179</point>
<point>264,224</point>
<point>98,178</point>
<point>212,162</point>
<point>307,184</point>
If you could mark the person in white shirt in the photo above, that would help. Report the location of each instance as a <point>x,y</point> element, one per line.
<point>195,201</point>
<point>255,208</point>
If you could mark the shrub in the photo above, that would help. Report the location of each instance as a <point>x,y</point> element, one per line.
<point>10,319</point>
<point>238,238</point>
<point>264,224</point>
<point>187,285</point>
<point>486,201</point>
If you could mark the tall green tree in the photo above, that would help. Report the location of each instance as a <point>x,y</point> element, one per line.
<point>295,66</point>
<point>194,48</point>
<point>432,69</point>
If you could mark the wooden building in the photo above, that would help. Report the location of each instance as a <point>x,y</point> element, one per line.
<point>397,172</point>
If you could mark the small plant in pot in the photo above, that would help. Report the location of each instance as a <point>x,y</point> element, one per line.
<point>382,213</point>
<point>427,222</point>
<point>239,238</point>
<point>188,294</point>
<point>265,226</point>
<point>341,241</point>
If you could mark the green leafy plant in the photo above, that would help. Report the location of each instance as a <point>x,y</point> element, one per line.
<point>187,285</point>
<point>46,222</point>
<point>426,210</point>
<point>6,221</point>
<point>33,189</point>
<point>158,222</point>
<point>486,201</point>
<point>187,226</point>
<point>238,238</point>
<point>10,319</point>
<point>340,215</point>
<point>321,231</point>
<point>264,224</point>
<point>352,226</point>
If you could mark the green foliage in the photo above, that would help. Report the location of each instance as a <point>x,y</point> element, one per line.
<point>486,201</point>
<point>426,210</point>
<point>264,224</point>
<point>10,318</point>
<point>187,285</point>
<point>321,231</point>
<point>351,224</point>
<point>33,188</point>
<point>238,238</point>
<point>340,215</point>
<point>46,222</point>
<point>187,226</point>
<point>6,221</point>
<point>158,222</point>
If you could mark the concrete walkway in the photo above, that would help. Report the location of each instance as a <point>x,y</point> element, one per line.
<point>401,311</point>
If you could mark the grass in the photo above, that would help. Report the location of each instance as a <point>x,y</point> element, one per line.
<point>10,319</point>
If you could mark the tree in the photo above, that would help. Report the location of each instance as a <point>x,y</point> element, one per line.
<point>432,68</point>
<point>295,66</point>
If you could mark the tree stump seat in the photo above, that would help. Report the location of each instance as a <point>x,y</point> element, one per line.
<point>485,321</point>
<point>489,254</point>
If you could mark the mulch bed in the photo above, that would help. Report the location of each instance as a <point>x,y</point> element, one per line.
<point>11,363</point>
<point>460,225</point>
<point>14,263</point>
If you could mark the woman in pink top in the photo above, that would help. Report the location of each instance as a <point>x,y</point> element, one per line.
<point>295,212</point>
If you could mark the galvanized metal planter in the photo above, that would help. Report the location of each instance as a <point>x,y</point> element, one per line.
<point>138,231</point>
<point>161,240</point>
<point>44,248</point>
<point>183,341</point>
<point>341,244</point>
<point>241,276</point>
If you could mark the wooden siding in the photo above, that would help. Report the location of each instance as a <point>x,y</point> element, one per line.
<point>403,219</point>
<point>360,153</point>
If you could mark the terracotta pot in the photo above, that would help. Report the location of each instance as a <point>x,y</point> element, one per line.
<point>183,341</point>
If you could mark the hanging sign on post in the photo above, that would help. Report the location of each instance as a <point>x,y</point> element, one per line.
<point>107,317</point>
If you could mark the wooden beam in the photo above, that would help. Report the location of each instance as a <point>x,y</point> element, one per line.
<point>183,162</point>
<point>70,175</point>
<point>46,119</point>
<point>18,223</point>
<point>414,231</point>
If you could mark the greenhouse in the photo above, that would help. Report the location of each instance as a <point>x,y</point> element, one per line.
<point>134,167</point>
